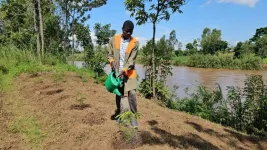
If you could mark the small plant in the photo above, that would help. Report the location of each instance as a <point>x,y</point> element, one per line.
<point>126,117</point>
<point>81,100</point>
<point>129,135</point>
<point>58,77</point>
<point>40,80</point>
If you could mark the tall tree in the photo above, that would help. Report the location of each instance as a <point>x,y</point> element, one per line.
<point>262,46</point>
<point>36,27</point>
<point>158,10</point>
<point>76,11</point>
<point>84,37</point>
<point>41,28</point>
<point>259,40</point>
<point>180,45</point>
<point>1,26</point>
<point>238,50</point>
<point>210,40</point>
<point>18,18</point>
<point>189,46</point>
<point>172,39</point>
<point>103,33</point>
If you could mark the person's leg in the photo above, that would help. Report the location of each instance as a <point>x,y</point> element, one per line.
<point>118,104</point>
<point>133,106</point>
<point>132,101</point>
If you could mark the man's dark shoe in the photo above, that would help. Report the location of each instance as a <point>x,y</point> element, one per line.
<point>113,117</point>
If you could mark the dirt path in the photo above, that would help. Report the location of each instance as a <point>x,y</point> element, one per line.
<point>49,106</point>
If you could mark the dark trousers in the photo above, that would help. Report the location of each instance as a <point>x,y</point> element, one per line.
<point>131,99</point>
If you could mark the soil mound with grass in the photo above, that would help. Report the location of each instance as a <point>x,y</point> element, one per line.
<point>44,112</point>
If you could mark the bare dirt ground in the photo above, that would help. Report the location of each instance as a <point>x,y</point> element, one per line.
<point>67,125</point>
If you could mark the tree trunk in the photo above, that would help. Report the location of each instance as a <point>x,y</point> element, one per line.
<point>41,28</point>
<point>72,31</point>
<point>36,27</point>
<point>153,60</point>
<point>65,29</point>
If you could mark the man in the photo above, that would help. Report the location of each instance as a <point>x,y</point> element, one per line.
<point>122,55</point>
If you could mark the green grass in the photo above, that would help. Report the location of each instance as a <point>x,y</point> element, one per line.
<point>14,62</point>
<point>181,60</point>
<point>77,57</point>
<point>29,128</point>
<point>265,60</point>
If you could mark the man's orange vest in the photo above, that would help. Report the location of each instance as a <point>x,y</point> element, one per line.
<point>130,73</point>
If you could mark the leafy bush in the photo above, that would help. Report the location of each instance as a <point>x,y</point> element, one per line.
<point>96,61</point>
<point>162,92</point>
<point>247,62</point>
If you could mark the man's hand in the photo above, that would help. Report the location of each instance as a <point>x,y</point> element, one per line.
<point>121,75</point>
<point>112,67</point>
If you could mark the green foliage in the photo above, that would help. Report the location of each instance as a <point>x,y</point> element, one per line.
<point>126,117</point>
<point>246,62</point>
<point>179,53</point>
<point>97,62</point>
<point>211,41</point>
<point>128,134</point>
<point>201,102</point>
<point>58,77</point>
<point>103,33</point>
<point>77,57</point>
<point>244,110</point>
<point>1,82</point>
<point>14,61</point>
<point>157,11</point>
<point>53,34</point>
<point>17,19</point>
<point>80,99</point>
<point>163,53</point>
<point>261,46</point>
<point>162,92</point>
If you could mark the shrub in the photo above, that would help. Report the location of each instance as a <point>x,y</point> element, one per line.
<point>247,62</point>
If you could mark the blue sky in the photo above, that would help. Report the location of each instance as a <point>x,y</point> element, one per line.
<point>237,19</point>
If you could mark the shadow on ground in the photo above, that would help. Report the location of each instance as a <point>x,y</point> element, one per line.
<point>230,134</point>
<point>184,141</point>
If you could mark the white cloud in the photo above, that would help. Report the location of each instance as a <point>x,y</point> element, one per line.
<point>206,3</point>
<point>93,37</point>
<point>73,37</point>
<point>250,3</point>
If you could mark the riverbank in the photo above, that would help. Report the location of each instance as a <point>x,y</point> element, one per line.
<point>41,104</point>
<point>43,109</point>
<point>219,62</point>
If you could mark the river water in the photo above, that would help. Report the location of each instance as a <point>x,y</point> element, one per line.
<point>188,77</point>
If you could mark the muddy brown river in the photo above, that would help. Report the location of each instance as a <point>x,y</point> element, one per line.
<point>188,77</point>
